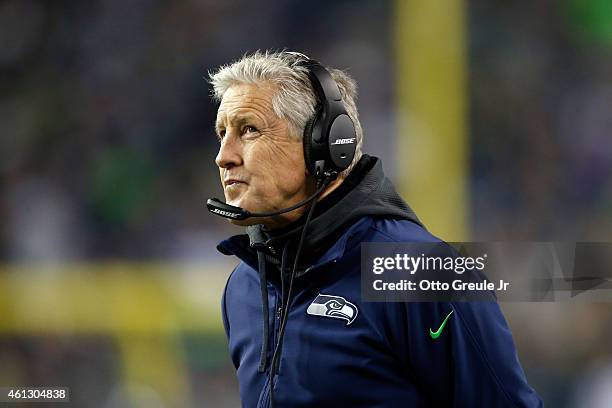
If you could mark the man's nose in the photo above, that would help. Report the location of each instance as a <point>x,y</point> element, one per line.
<point>229,153</point>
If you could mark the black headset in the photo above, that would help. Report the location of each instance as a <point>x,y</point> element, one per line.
<point>329,138</point>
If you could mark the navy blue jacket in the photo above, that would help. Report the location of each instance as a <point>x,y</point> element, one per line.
<point>376,354</point>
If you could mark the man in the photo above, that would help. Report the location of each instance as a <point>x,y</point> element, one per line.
<point>299,333</point>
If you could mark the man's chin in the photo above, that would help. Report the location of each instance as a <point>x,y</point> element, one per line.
<point>240,204</point>
<point>271,222</point>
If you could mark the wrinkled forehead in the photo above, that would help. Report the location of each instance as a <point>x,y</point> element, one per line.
<point>247,97</point>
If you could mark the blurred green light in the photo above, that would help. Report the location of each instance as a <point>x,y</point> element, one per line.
<point>592,19</point>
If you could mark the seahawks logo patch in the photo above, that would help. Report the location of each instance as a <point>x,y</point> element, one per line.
<point>333,306</point>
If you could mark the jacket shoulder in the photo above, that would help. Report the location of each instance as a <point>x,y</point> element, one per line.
<point>397,230</point>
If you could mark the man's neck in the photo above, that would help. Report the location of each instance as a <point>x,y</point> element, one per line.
<point>284,220</point>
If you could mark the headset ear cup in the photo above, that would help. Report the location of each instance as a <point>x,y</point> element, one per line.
<point>307,142</point>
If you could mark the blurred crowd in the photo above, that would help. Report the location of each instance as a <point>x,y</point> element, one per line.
<point>107,126</point>
<point>107,152</point>
<point>540,114</point>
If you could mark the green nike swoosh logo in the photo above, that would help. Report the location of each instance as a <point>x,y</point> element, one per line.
<point>436,334</point>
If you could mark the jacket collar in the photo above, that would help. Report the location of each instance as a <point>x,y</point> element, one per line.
<point>238,245</point>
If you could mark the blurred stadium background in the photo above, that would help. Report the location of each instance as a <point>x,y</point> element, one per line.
<point>493,117</point>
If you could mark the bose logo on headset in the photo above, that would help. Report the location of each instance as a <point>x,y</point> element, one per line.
<point>224,213</point>
<point>344,141</point>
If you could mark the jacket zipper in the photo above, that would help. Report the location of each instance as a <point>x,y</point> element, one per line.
<point>276,332</point>
<point>264,400</point>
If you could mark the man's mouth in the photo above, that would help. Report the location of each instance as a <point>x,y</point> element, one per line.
<point>231,182</point>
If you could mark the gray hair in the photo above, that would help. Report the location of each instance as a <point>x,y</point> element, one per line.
<point>295,99</point>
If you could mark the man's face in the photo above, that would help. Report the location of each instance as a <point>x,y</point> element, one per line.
<point>262,168</point>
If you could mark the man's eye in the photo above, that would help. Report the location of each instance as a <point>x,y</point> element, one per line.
<point>250,129</point>
<point>221,134</point>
